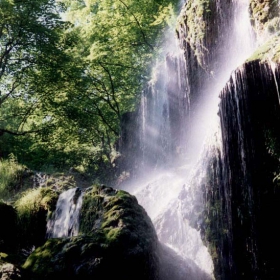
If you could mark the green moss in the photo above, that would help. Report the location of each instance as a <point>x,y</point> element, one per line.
<point>265,16</point>
<point>42,257</point>
<point>33,208</point>
<point>269,51</point>
<point>194,17</point>
<point>114,213</point>
<point>273,25</point>
<point>103,209</point>
<point>3,256</point>
<point>112,235</point>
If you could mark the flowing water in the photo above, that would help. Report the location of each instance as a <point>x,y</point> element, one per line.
<point>171,164</point>
<point>65,221</point>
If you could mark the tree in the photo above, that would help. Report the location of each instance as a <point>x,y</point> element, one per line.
<point>35,74</point>
<point>31,58</point>
<point>66,83</point>
<point>118,42</point>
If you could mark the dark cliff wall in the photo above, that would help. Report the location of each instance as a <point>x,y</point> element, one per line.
<point>243,194</point>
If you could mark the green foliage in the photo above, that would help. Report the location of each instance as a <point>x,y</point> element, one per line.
<point>10,174</point>
<point>66,83</point>
<point>116,44</point>
<point>33,66</point>
<point>33,208</point>
<point>30,64</point>
<point>35,199</point>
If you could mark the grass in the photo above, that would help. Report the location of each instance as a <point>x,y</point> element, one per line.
<point>10,173</point>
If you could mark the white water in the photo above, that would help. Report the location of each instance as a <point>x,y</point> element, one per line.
<point>273,68</point>
<point>172,196</point>
<point>65,222</point>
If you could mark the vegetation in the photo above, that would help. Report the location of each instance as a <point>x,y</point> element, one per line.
<point>265,16</point>
<point>32,209</point>
<point>194,16</point>
<point>269,51</point>
<point>11,173</point>
<point>68,71</point>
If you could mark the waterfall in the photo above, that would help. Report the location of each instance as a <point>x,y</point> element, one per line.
<point>178,130</point>
<point>65,221</point>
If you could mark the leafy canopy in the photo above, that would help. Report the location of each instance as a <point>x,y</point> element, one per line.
<point>69,70</point>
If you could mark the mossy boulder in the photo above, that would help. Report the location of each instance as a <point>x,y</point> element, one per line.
<point>116,238</point>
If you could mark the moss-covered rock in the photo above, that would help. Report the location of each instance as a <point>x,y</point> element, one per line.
<point>269,51</point>
<point>265,16</point>
<point>193,18</point>
<point>116,238</point>
<point>202,31</point>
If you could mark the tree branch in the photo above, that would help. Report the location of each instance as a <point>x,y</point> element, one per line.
<point>112,88</point>
<point>139,25</point>
<point>2,131</point>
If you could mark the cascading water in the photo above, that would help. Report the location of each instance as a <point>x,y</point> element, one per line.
<point>177,131</point>
<point>65,221</point>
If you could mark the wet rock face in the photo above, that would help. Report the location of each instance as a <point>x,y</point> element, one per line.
<point>247,196</point>
<point>201,27</point>
<point>202,32</point>
<point>116,238</point>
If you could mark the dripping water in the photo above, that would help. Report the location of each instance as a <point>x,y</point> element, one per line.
<point>273,68</point>
<point>65,222</point>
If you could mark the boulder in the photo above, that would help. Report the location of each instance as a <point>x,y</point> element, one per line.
<point>116,237</point>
